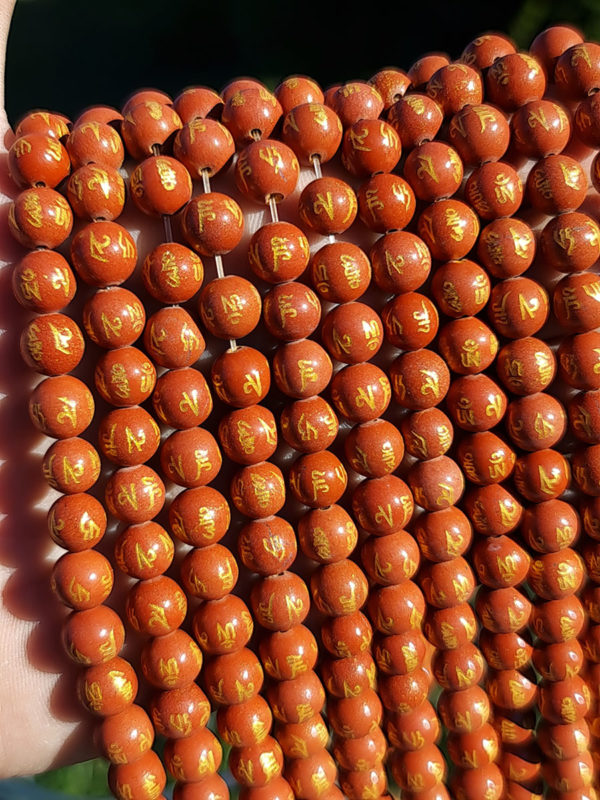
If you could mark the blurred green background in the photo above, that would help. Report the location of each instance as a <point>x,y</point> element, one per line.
<point>65,55</point>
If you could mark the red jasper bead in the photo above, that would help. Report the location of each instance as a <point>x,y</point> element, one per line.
<point>52,344</point>
<point>485,458</point>
<point>567,740</point>
<point>467,345</point>
<point>443,535</point>
<point>420,379</point>
<point>374,448</point>
<point>500,562</point>
<point>540,128</point>
<point>146,95</point>
<point>296,700</point>
<point>278,789</point>
<point>309,425</point>
<point>556,184</point>
<point>96,192</point>
<point>303,739</point>
<point>40,217</point>
<point>564,702</point>
<point>585,121</point>
<point>286,654</point>
<point>114,318</point>
<point>291,311</point>
<point>526,366</point>
<point>591,521</point>
<point>447,584</point>
<point>296,90</point>
<point>203,146</point>
<point>195,757</point>
<point>506,247</point>
<point>458,669</point>
<point>222,626</point>
<point>302,368</point>
<point>172,338</point>
<point>355,782</point>
<point>464,711</point>
<point>383,505</point>
<point>156,606</point>
<point>536,421</point>
<point>82,580</point>
<point>355,717</point>
<point>313,131</point>
<point>338,589</point>
<point>318,479</point>
<point>559,661</point>
<point>124,737</point>
<point>43,281</point>
<point>577,70</point>
<point>434,171</point>
<point>427,433</point>
<point>583,417</point>
<point>38,159</point>
<point>357,101</point>
<point>182,398</point>
<point>514,80</point>
<point>340,272</point>
<point>352,333</point>
<point>148,123</point>
<point>586,468</point>
<point>475,403</point>
<point>257,764</point>
<point>390,559</point>
<point>248,435</point>
<point>278,252</point>
<point>135,494</point>
<point>77,521</point>
<point>327,534</point>
<point>266,170</point>
<point>95,142</point>
<point>480,133</point>
<point>128,436</point>
<point>267,546</point>
<point>484,50</point>
<point>386,202</point>
<point>576,302</point>
<point>423,68</point>
<point>98,114</point>
<point>213,223</point>
<point>328,206</point>
<point>400,654</point>
<point>348,635</point>
<point>177,713</point>
<point>576,773</point>
<point>460,288</point>
<point>108,688</point>
<point>239,84</point>
<point>370,146</point>
<point>558,620</point>
<point>552,42</point>
<point>505,650</point>
<point>103,254</point>
<point>71,465</point>
<point>51,124</point>
<point>245,723</point>
<point>425,768</point>
<point>401,262</point>
<point>250,109</point>
<point>258,490</point>
<point>449,228</point>
<point>455,86</point>
<point>124,377</point>
<point>397,608</point>
<point>197,101</point>
<point>437,483</point>
<point>503,610</point>
<point>471,784</point>
<point>241,377</point>
<point>578,361</point>
<point>230,307</point>
<point>171,661</point>
<point>61,406</point>
<point>410,321</point>
<point>494,190</point>
<point>360,754</point>
<point>313,777</point>
<point>209,572</point>
<point>493,510</point>
<point>144,551</point>
<point>190,457</point>
<point>160,185</point>
<point>550,526</point>
<point>414,729</point>
<point>416,118</point>
<point>518,307</point>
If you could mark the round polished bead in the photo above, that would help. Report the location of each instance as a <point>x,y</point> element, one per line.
<point>213,223</point>
<point>526,366</point>
<point>423,68</point>
<point>578,359</point>
<point>296,700</point>
<point>146,95</point>
<point>390,559</point>
<point>436,483</point>
<point>38,159</point>
<point>209,572</point>
<point>386,202</point>
<point>246,723</point>
<point>536,421</point>
<point>470,784</point>
<point>564,702</point>
<point>95,142</point>
<point>98,114</point>
<point>357,101</point>
<point>492,510</point>
<point>540,128</point>
<point>449,228</point>
<point>291,311</point>
<point>467,345</point>
<point>313,777</point>
<point>327,534</point>
<point>144,550</point>
<point>447,584</point>
<point>583,417</point>
<point>340,272</point>
<point>71,465</point>
<point>426,433</point>
<point>148,123</point>
<point>475,403</point>
<point>410,321</point>
<point>556,184</point>
<point>239,84</point>
<point>51,124</point>
<point>248,435</point>
<point>128,436</point>
<point>278,252</point>
<point>203,146</point>
<point>107,688</point>
<point>250,111</point>
<point>571,242</point>
<point>374,448</point>
<point>302,368</point>
<point>96,192</point>
<point>278,789</point>
<point>480,133</point>
<point>505,650</point>
<point>338,589</point>
<point>484,50</point>
<point>401,653</point>
<point>82,580</point>
<point>197,101</point>
<point>222,626</point>
<point>257,764</point>
<point>566,741</point>
<point>52,344</point>
<point>500,562</point>
<point>313,131</point>
<point>503,610</point>
<point>328,206</point>
<point>124,377</point>
<point>552,42</point>
<point>177,713</point>
<point>194,757</point>
<point>591,517</point>
<point>458,669</point>
<point>267,546</point>
<point>559,661</point>
<point>360,754</point>
<point>103,253</point>
<point>420,379</point>
<point>518,307</point>
<point>574,774</point>
<point>296,90</point>
<point>114,318</point>
<point>370,146</point>
<point>455,86</point>
<point>425,768</point>
<point>542,475</point>
<point>171,661</point>
<point>43,281</point>
<point>414,729</point>
<point>309,425</point>
<point>124,737</point>
<point>143,779</point>
<point>40,217</point>
<point>258,490</point>
<point>401,262</point>
<point>346,636</point>
<point>396,609</point>
<point>558,620</point>
<point>241,377</point>
<point>383,505</point>
<point>494,190</point>
<point>577,70</point>
<point>417,118</point>
<point>434,171</point>
<point>576,302</point>
<point>464,711</point>
<point>514,80</point>
<point>266,170</point>
<point>77,521</point>
<point>443,535</point>
<point>460,288</point>
<point>352,332</point>
<point>585,121</point>
<point>172,338</point>
<point>230,307</point>
<point>135,494</point>
<point>156,606</point>
<point>182,398</point>
<point>356,783</point>
<point>550,526</point>
<point>286,654</point>
<point>506,247</point>
<point>318,479</point>
<point>355,717</point>
<point>61,406</point>
<point>485,458</point>
<point>190,457</point>
<point>172,273</point>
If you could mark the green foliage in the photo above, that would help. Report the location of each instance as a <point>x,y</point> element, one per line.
<point>87,779</point>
